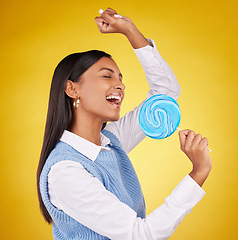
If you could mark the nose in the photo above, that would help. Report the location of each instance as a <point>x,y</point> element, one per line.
<point>119,85</point>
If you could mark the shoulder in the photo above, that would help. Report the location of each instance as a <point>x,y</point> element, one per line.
<point>61,152</point>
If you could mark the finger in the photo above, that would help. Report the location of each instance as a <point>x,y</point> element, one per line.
<point>184,132</point>
<point>111,11</point>
<point>107,17</point>
<point>99,20</point>
<point>196,140</point>
<point>182,137</point>
<point>203,143</point>
<point>101,24</point>
<point>189,139</point>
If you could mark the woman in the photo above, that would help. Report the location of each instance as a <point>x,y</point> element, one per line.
<point>86,183</point>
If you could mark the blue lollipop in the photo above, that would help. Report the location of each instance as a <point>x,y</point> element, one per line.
<point>159,116</point>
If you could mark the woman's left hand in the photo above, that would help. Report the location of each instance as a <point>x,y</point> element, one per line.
<point>108,23</point>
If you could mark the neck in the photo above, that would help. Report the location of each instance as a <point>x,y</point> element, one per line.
<point>88,129</point>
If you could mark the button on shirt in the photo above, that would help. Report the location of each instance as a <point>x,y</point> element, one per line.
<point>75,191</point>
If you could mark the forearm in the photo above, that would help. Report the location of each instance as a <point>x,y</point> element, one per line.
<point>200,176</point>
<point>81,194</point>
<point>177,205</point>
<point>135,37</point>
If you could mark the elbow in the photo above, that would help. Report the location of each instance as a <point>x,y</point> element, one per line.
<point>178,92</point>
<point>175,90</point>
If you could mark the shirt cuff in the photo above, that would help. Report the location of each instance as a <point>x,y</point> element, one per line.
<point>148,55</point>
<point>187,193</point>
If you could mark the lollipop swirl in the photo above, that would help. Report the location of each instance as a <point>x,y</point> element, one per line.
<point>159,116</point>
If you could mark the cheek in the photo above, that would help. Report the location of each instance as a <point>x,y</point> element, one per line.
<point>94,93</point>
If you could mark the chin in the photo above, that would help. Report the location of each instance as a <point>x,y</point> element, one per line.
<point>113,119</point>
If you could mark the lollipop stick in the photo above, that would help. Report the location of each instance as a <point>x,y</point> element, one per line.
<point>115,15</point>
<point>207,148</point>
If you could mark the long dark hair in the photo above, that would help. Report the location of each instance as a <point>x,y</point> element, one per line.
<point>60,109</point>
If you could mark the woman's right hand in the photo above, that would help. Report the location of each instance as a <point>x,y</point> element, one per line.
<point>195,147</point>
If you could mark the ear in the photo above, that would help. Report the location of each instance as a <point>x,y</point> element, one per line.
<point>71,89</point>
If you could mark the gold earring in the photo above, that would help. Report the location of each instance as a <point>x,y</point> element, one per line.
<point>76,103</point>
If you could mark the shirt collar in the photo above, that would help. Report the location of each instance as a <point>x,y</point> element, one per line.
<point>87,148</point>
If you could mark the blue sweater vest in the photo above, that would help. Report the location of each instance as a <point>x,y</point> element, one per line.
<point>115,171</point>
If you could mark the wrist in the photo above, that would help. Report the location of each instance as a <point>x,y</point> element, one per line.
<point>131,30</point>
<point>135,37</point>
<point>200,176</point>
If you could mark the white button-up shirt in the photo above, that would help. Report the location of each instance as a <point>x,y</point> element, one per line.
<point>75,191</point>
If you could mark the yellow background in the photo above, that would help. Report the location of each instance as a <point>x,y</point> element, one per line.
<point>199,41</point>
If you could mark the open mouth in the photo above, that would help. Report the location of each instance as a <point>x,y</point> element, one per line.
<point>114,99</point>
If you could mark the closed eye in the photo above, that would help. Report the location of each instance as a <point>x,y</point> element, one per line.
<point>112,71</point>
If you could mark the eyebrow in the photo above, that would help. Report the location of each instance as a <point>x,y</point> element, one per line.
<point>109,69</point>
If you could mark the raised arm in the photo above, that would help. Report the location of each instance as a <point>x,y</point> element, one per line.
<point>159,75</point>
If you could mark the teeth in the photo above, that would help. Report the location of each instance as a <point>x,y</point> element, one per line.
<point>114,97</point>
